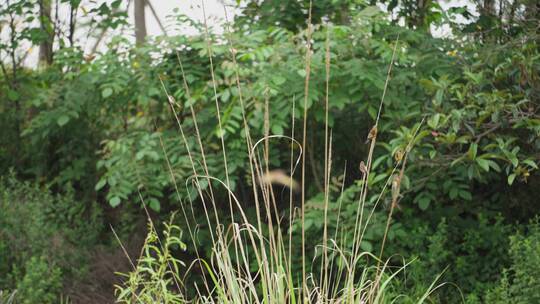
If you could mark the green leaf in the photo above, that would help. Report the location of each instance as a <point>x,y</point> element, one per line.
<point>438,97</point>
<point>483,163</point>
<point>456,161</point>
<point>12,95</point>
<point>511,178</point>
<point>370,11</point>
<point>225,95</point>
<point>433,122</point>
<point>366,246</point>
<point>494,165</point>
<point>470,172</point>
<point>100,184</point>
<point>514,160</point>
<point>377,178</point>
<point>114,201</point>
<point>405,182</point>
<point>62,120</point>
<point>473,149</point>
<point>308,223</point>
<point>466,195</point>
<point>530,163</point>
<point>220,133</point>
<point>277,129</point>
<point>372,111</point>
<point>454,193</point>
<point>278,80</point>
<point>153,155</point>
<point>106,92</point>
<point>423,203</point>
<point>154,204</point>
<point>153,91</point>
<point>378,161</point>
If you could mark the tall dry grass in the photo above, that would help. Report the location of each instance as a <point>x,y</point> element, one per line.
<point>228,275</point>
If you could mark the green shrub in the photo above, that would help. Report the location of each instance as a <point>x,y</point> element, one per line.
<point>520,282</point>
<point>41,283</point>
<point>472,252</point>
<point>157,272</point>
<point>43,240</point>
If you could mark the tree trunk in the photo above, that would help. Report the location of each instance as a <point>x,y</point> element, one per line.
<point>72,22</point>
<point>140,22</point>
<point>419,13</point>
<point>46,46</point>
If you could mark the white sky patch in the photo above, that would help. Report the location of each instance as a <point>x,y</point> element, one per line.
<point>85,37</point>
<point>445,30</point>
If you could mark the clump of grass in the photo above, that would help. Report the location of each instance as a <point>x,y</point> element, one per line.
<point>7,297</point>
<point>228,275</point>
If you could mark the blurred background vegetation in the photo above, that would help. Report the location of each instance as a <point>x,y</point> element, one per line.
<point>82,135</point>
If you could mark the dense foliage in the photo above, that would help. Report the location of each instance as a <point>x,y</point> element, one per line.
<point>87,141</point>
<point>50,247</point>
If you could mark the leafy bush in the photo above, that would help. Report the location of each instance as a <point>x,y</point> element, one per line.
<point>157,274</point>
<point>520,282</point>
<point>38,258</point>
<point>41,283</point>
<point>472,253</point>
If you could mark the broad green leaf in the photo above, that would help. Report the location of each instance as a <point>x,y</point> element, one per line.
<point>433,121</point>
<point>278,79</point>
<point>423,203</point>
<point>511,178</point>
<point>106,92</point>
<point>466,195</point>
<point>473,150</point>
<point>514,160</point>
<point>220,133</point>
<point>483,163</point>
<point>114,201</point>
<point>62,120</point>
<point>12,95</point>
<point>277,129</point>
<point>154,204</point>
<point>530,163</point>
<point>370,11</point>
<point>100,184</point>
<point>454,192</point>
<point>366,245</point>
<point>494,165</point>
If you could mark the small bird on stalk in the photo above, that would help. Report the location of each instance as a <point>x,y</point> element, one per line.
<point>372,134</point>
<point>398,155</point>
<point>363,168</point>
<point>396,185</point>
